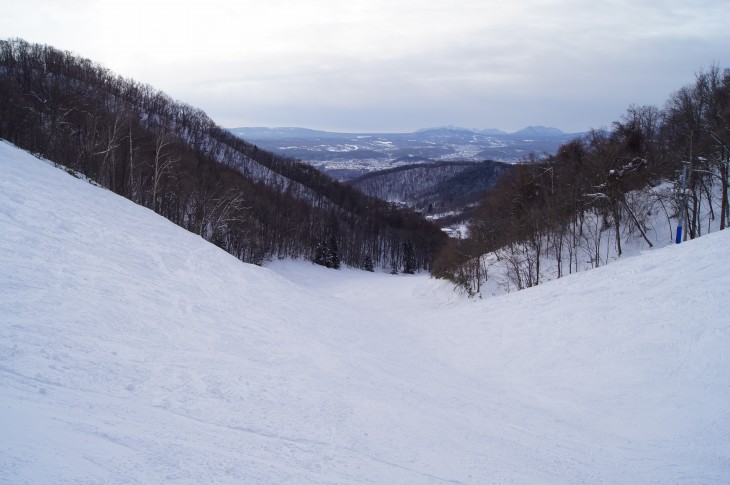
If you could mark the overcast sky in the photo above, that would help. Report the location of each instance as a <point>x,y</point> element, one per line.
<point>393,65</point>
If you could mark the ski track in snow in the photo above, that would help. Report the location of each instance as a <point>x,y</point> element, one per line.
<point>133,351</point>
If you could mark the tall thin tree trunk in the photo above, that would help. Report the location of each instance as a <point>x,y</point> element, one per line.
<point>724,208</point>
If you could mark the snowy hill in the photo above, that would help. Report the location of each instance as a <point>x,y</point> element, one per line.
<point>134,351</point>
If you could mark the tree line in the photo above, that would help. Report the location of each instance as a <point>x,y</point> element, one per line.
<point>578,207</point>
<point>173,159</point>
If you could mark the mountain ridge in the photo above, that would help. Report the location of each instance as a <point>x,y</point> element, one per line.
<point>296,131</point>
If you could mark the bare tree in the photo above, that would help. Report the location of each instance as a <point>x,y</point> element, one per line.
<point>163,162</point>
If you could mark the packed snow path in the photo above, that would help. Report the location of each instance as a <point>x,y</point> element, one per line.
<point>133,351</point>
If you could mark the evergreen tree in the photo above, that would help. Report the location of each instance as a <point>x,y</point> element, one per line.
<point>322,255</point>
<point>409,258</point>
<point>334,253</point>
<point>327,253</point>
<point>367,264</point>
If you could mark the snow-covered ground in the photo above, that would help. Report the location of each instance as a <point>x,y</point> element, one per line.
<point>134,352</point>
<point>590,243</point>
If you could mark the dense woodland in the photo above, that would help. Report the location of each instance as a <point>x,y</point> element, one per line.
<point>432,188</point>
<point>173,159</point>
<point>604,189</point>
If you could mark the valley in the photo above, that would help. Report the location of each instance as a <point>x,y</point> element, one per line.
<point>346,156</point>
<point>132,351</point>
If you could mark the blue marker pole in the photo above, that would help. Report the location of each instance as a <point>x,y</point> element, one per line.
<point>682,205</point>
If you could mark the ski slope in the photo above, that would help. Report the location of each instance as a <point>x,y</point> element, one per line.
<point>132,351</point>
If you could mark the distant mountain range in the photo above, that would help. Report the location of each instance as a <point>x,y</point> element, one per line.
<point>348,155</point>
<point>261,132</point>
<point>539,131</point>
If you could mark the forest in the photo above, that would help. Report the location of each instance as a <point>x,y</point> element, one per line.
<point>578,207</point>
<point>172,158</point>
<point>564,210</point>
<point>436,187</point>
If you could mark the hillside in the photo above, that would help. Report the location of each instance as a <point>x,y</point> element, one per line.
<point>134,351</point>
<point>172,158</point>
<point>434,188</point>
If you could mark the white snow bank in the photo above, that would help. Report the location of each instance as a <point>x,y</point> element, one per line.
<point>133,351</point>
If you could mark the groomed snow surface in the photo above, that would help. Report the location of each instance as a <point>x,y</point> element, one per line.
<point>134,352</point>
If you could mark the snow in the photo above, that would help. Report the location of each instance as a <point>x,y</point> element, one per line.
<point>133,351</point>
<point>595,240</point>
